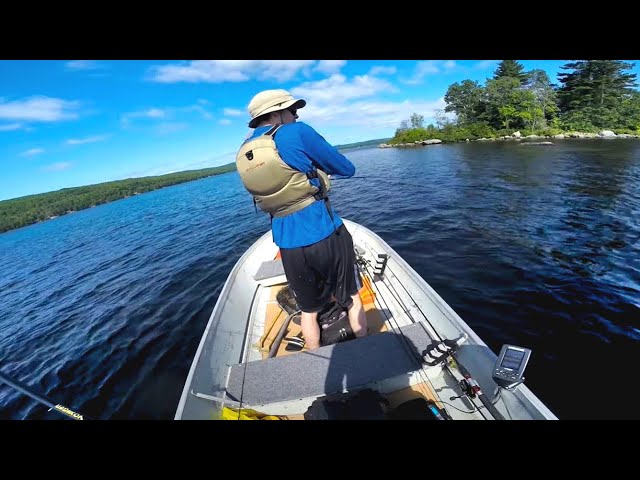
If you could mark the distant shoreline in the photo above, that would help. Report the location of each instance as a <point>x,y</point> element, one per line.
<point>367,143</point>
<point>28,210</point>
<point>517,136</point>
<point>31,209</point>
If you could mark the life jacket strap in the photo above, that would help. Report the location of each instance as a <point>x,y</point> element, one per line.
<point>272,131</point>
<point>322,194</point>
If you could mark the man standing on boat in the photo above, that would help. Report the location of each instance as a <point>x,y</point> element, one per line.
<point>285,165</point>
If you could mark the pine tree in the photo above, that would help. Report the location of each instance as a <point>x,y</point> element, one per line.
<point>545,97</point>
<point>510,68</point>
<point>595,91</point>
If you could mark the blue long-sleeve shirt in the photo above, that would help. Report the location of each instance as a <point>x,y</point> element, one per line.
<point>302,148</point>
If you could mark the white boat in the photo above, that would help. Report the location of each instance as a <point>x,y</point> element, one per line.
<point>244,368</point>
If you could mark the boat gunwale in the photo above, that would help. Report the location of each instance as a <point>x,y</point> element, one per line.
<point>447,311</point>
<point>220,302</point>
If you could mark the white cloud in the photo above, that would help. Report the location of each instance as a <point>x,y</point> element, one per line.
<point>449,65</point>
<point>422,69</point>
<point>330,66</point>
<point>38,109</point>
<point>166,128</point>
<point>7,127</point>
<point>164,114</point>
<point>431,67</point>
<point>196,108</point>
<point>83,65</point>
<point>93,139</point>
<point>337,89</point>
<point>32,152</point>
<point>153,113</point>
<point>338,102</point>
<point>485,64</point>
<point>224,121</point>
<point>218,71</point>
<point>382,70</point>
<point>233,112</point>
<point>374,114</point>
<point>426,67</point>
<point>56,167</point>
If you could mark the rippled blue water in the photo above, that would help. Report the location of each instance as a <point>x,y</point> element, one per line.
<point>102,310</point>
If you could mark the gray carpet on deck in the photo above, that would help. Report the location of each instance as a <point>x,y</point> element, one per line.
<point>269,269</point>
<point>329,369</point>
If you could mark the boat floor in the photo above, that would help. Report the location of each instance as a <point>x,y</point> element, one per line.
<point>275,317</point>
<point>270,317</point>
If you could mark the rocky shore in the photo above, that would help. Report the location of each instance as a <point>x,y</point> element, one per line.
<point>518,136</point>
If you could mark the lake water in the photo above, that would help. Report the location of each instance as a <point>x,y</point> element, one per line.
<point>102,310</point>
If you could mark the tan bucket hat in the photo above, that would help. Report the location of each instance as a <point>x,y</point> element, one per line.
<point>269,101</point>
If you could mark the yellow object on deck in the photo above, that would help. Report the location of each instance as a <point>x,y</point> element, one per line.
<point>367,295</point>
<point>229,413</point>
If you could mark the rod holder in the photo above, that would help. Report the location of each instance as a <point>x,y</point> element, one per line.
<point>381,264</point>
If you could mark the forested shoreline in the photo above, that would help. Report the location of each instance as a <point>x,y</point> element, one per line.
<point>23,211</point>
<point>367,143</point>
<point>593,95</point>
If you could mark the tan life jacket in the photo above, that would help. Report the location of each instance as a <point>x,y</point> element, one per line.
<point>277,188</point>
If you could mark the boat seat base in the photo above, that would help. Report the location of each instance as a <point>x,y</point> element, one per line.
<point>331,369</point>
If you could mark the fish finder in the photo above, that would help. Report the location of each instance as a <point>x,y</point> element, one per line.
<point>510,366</point>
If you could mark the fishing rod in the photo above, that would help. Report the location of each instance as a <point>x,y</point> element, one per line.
<point>472,389</point>
<point>42,399</point>
<point>469,385</point>
<point>375,177</point>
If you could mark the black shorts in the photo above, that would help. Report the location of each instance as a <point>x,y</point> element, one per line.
<point>322,270</point>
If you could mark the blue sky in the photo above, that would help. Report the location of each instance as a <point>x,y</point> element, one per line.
<point>72,123</point>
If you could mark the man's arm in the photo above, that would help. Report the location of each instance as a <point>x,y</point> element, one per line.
<point>325,155</point>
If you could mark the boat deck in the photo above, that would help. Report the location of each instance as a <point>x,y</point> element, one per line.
<point>243,361</point>
<point>388,359</point>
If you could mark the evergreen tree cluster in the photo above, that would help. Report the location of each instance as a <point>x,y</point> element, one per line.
<point>592,95</point>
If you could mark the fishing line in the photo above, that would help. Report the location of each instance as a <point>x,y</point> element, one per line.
<point>379,177</point>
<point>396,296</point>
<point>446,364</point>
<point>494,412</point>
<point>390,286</point>
<point>408,347</point>
<point>454,357</point>
<point>419,309</point>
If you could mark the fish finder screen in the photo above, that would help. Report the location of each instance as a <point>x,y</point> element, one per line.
<point>512,359</point>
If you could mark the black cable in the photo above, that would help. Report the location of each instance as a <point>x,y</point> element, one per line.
<point>460,410</point>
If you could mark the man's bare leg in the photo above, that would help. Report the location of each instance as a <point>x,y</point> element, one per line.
<point>357,317</point>
<point>310,329</point>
